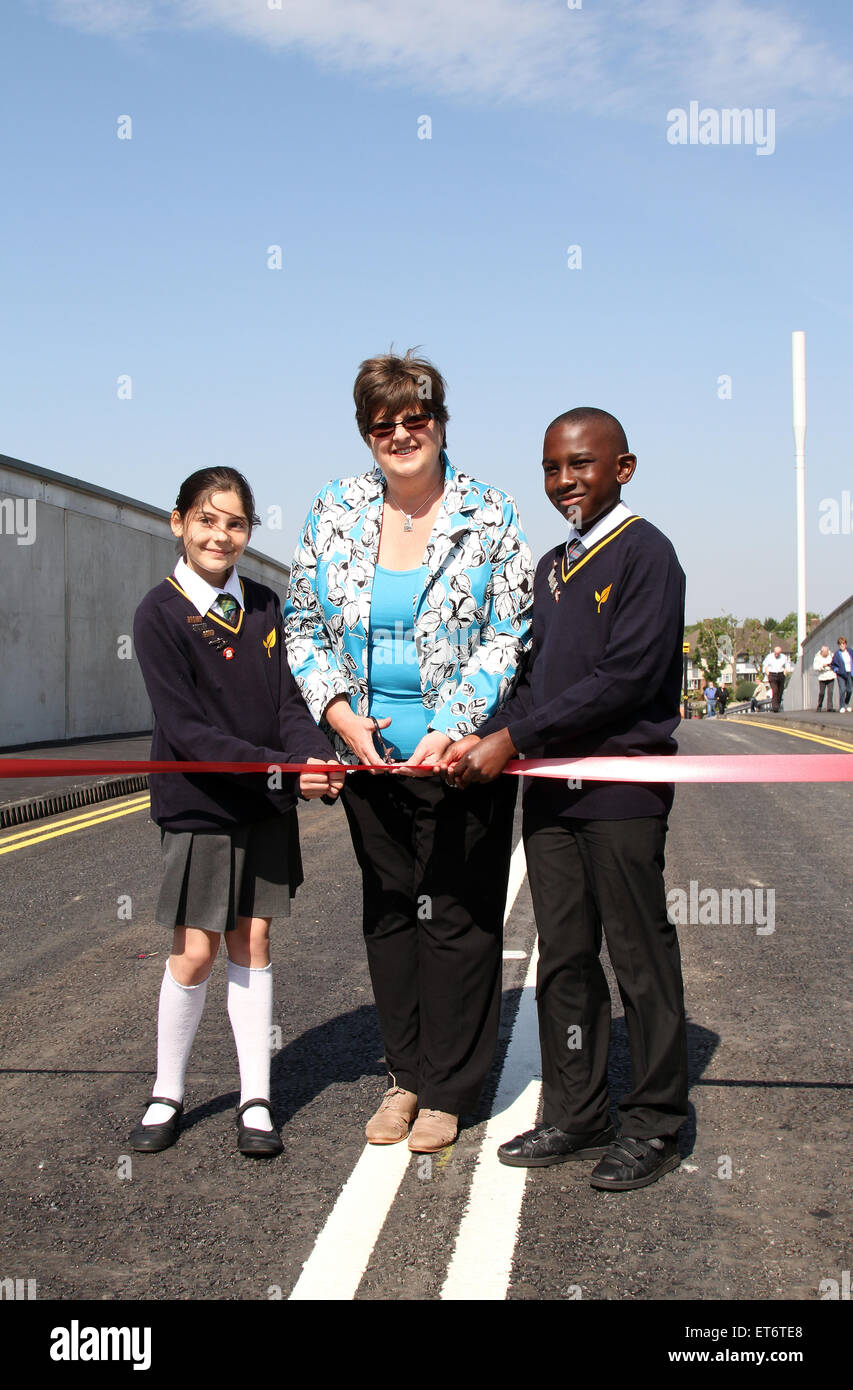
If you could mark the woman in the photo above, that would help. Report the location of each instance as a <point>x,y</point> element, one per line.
<point>408,612</point>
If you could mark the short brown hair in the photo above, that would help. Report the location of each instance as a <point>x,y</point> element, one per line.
<point>391,384</point>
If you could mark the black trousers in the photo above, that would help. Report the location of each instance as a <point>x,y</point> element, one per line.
<point>777,687</point>
<point>586,875</point>
<point>435,866</point>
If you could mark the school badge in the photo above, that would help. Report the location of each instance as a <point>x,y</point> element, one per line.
<point>269,641</point>
<point>228,653</point>
<point>603,596</point>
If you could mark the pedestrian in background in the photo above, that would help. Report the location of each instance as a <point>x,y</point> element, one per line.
<point>842,665</point>
<point>759,695</point>
<point>775,669</point>
<point>710,693</point>
<point>822,664</point>
<point>722,700</point>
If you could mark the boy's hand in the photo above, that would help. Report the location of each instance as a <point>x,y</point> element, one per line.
<point>454,755</point>
<point>313,784</point>
<point>482,760</point>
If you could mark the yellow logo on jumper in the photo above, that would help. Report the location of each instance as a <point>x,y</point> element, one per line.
<point>603,596</point>
<point>269,640</point>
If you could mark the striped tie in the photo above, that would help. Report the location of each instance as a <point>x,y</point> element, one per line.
<point>225,607</point>
<point>575,548</point>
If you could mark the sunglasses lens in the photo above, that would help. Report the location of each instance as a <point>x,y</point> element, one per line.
<point>384,428</point>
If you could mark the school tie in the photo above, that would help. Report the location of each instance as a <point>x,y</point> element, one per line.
<point>225,607</point>
<point>575,548</point>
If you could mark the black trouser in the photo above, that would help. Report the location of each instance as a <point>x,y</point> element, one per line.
<point>777,686</point>
<point>825,688</point>
<point>435,865</point>
<point>585,874</point>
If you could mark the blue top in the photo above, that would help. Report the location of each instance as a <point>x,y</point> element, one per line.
<point>394,680</point>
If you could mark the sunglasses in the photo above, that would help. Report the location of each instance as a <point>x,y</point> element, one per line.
<point>383,429</point>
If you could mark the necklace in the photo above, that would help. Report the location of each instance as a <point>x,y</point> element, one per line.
<point>407,523</point>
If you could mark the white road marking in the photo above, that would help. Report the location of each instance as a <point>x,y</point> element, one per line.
<point>481,1263</point>
<point>336,1265</point>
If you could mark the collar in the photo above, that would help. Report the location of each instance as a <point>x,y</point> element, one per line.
<point>602,527</point>
<point>200,593</point>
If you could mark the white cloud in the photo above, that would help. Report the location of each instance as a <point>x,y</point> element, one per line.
<point>610,57</point>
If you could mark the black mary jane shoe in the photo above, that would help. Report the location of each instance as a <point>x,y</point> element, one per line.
<point>150,1139</point>
<point>258,1143</point>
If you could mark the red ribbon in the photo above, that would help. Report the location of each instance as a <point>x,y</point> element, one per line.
<point>737,767</point>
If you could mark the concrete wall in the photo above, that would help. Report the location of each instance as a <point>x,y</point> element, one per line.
<point>75,560</point>
<point>839,623</point>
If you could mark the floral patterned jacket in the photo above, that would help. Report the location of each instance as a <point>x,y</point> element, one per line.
<point>471,624</point>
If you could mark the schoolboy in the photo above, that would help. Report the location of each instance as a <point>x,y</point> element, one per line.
<point>604,677</point>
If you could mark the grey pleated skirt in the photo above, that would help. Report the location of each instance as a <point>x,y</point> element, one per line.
<point>211,879</point>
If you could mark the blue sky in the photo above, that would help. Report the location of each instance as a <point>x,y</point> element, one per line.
<point>298,127</point>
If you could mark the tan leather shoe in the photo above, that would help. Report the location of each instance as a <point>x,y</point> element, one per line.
<point>432,1130</point>
<point>391,1122</point>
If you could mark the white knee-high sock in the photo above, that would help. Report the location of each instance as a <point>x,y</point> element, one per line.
<point>250,1012</point>
<point>177,1021</point>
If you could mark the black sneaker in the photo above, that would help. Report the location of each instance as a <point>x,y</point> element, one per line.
<point>544,1145</point>
<point>631,1163</point>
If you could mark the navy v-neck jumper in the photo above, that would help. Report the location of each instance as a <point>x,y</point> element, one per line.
<point>604,671</point>
<point>221,693</point>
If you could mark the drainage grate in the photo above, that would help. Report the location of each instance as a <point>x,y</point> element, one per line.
<point>38,807</point>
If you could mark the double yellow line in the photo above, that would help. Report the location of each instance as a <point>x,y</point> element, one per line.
<point>37,833</point>
<point>793,733</point>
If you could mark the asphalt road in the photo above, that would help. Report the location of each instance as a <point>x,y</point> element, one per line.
<point>760,1208</point>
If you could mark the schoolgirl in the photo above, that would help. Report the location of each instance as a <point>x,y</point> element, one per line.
<point>210,649</point>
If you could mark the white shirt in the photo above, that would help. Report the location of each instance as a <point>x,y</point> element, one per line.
<point>199,592</point>
<point>602,527</point>
<point>776,663</point>
<point>821,664</point>
<point>845,658</point>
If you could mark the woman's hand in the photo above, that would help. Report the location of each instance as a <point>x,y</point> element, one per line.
<point>355,730</point>
<point>475,759</point>
<point>312,784</point>
<point>425,760</point>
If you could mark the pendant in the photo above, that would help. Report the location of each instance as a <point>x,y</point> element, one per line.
<point>407,524</point>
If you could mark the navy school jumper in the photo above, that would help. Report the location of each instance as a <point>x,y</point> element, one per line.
<point>235,701</point>
<point>604,672</point>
